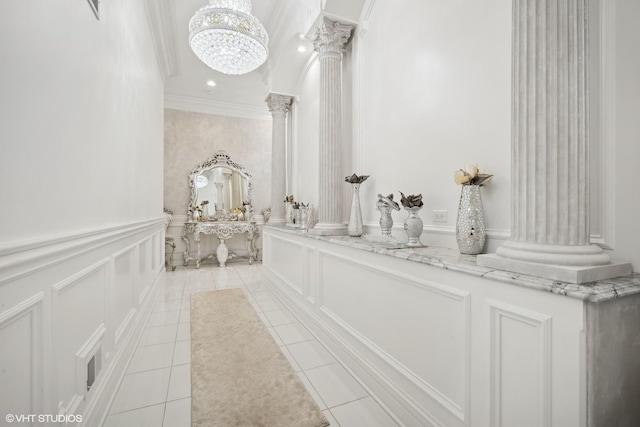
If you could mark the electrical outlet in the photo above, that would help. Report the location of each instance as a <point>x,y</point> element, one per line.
<point>440,216</point>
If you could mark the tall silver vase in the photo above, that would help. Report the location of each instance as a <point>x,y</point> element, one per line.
<point>355,228</point>
<point>413,226</point>
<point>470,228</point>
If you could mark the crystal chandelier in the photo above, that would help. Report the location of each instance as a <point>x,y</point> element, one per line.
<point>227,37</point>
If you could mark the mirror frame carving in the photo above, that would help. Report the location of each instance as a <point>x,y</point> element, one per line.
<point>220,158</point>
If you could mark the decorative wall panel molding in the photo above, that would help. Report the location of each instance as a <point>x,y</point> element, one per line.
<point>19,259</point>
<point>22,341</point>
<point>122,289</point>
<point>437,346</point>
<point>437,302</point>
<point>520,340</point>
<point>145,268</point>
<point>289,263</point>
<point>79,296</point>
<point>59,315</point>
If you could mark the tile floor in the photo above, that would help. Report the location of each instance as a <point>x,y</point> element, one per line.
<point>156,390</point>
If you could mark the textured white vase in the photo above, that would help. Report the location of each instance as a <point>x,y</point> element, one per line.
<point>413,226</point>
<point>386,221</point>
<point>355,228</point>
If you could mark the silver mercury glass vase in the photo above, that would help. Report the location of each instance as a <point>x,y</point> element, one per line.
<point>386,221</point>
<point>413,226</point>
<point>470,228</point>
<point>304,221</point>
<point>355,228</point>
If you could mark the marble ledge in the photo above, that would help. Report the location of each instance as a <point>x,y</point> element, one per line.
<point>451,259</point>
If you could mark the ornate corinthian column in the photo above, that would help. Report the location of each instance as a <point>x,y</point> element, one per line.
<point>329,40</point>
<point>279,106</point>
<point>549,147</point>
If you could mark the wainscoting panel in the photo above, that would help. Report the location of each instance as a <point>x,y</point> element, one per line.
<point>437,316</point>
<point>520,367</point>
<point>71,309</point>
<point>157,260</point>
<point>435,347</point>
<point>74,324</point>
<point>145,269</point>
<point>21,357</point>
<point>288,261</point>
<point>123,288</point>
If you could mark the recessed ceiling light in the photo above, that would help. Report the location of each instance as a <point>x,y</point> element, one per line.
<point>302,48</point>
<point>211,83</point>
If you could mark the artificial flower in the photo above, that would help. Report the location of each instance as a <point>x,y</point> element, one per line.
<point>471,175</point>
<point>355,179</point>
<point>411,200</point>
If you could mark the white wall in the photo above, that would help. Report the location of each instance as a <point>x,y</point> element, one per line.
<point>436,94</point>
<point>305,150</point>
<point>81,113</point>
<point>626,143</point>
<point>432,91</point>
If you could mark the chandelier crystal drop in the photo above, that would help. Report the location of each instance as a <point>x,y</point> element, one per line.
<point>228,38</point>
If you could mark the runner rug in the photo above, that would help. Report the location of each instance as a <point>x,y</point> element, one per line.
<point>239,376</point>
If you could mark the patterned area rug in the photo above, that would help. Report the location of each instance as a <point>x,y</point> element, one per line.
<point>239,376</point>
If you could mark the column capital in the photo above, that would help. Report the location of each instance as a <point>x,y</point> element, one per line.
<point>330,36</point>
<point>279,104</point>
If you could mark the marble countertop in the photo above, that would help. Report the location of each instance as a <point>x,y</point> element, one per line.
<point>451,259</point>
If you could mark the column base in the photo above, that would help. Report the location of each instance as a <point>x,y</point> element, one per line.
<point>326,229</point>
<point>573,264</point>
<point>277,221</point>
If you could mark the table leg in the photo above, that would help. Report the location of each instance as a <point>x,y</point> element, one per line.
<point>253,251</point>
<point>196,237</point>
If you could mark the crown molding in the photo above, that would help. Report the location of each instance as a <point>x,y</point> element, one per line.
<point>162,17</point>
<point>222,108</point>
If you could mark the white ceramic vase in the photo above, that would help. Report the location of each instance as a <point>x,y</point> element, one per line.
<point>413,226</point>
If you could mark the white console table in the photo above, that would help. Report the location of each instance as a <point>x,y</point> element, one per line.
<point>224,230</point>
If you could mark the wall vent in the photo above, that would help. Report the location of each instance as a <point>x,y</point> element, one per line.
<point>94,366</point>
<point>89,362</point>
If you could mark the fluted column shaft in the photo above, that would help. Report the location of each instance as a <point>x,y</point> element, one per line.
<point>550,135</point>
<point>279,106</point>
<point>329,40</point>
<point>549,147</point>
<point>550,156</point>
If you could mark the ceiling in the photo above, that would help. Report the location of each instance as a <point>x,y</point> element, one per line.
<point>286,22</point>
<point>186,76</point>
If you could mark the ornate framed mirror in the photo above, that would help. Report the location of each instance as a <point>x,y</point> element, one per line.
<point>220,191</point>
